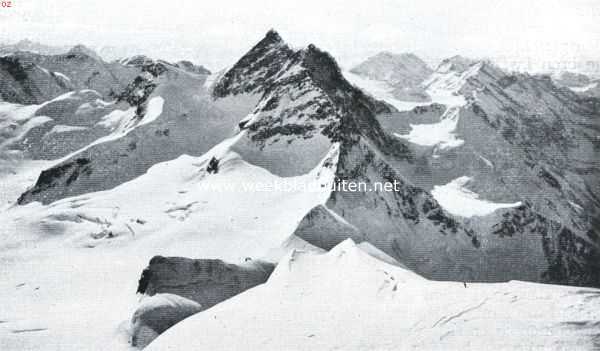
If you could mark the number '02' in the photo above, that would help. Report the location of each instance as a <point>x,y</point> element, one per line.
<point>6,4</point>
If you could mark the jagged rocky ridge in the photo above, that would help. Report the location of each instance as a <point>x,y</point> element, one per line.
<point>299,106</point>
<point>524,139</point>
<point>407,224</point>
<point>557,245</point>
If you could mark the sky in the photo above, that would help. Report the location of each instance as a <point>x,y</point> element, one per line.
<point>531,35</point>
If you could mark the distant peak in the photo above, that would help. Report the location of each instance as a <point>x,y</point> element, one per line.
<point>455,63</point>
<point>79,48</point>
<point>458,59</point>
<point>391,54</point>
<point>24,42</point>
<point>82,49</point>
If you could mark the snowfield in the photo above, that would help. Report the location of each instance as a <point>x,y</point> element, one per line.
<point>70,269</point>
<point>441,134</point>
<point>347,299</point>
<point>584,88</point>
<point>455,198</point>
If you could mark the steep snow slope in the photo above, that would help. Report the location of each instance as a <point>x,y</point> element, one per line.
<point>347,299</point>
<point>70,269</point>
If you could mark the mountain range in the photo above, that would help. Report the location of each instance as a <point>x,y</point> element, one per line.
<point>140,175</point>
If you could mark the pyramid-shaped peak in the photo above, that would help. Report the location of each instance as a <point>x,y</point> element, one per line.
<point>271,39</point>
<point>258,65</point>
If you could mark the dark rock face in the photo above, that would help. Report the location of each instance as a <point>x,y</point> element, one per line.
<point>62,175</point>
<point>405,222</point>
<point>571,259</point>
<point>257,69</point>
<point>24,82</point>
<point>204,281</point>
<point>137,93</point>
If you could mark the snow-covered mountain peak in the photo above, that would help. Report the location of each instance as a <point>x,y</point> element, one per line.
<point>346,259</point>
<point>255,69</point>
<point>304,104</point>
<point>393,67</point>
<point>460,76</point>
<point>399,76</point>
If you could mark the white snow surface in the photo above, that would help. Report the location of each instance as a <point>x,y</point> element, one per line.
<point>70,269</point>
<point>439,134</point>
<point>63,76</point>
<point>584,88</point>
<point>455,198</point>
<point>349,300</point>
<point>121,122</point>
<point>62,128</point>
<point>154,110</point>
